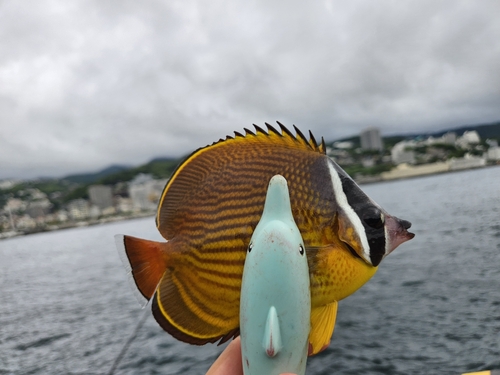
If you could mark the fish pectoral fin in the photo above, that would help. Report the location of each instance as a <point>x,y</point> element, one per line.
<point>184,307</point>
<point>272,334</point>
<point>322,324</point>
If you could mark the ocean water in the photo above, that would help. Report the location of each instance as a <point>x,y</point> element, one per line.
<point>66,306</point>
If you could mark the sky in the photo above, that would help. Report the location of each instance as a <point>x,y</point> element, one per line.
<point>90,83</point>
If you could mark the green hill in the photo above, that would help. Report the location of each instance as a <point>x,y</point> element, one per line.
<point>88,178</point>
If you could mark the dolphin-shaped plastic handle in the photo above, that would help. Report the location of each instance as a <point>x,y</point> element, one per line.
<point>275,305</point>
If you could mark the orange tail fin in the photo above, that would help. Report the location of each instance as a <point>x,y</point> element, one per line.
<point>145,260</point>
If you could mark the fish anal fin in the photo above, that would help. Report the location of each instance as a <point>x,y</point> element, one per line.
<point>145,260</point>
<point>183,308</point>
<point>272,334</point>
<point>322,325</point>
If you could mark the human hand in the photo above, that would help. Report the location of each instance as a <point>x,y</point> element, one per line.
<point>229,362</point>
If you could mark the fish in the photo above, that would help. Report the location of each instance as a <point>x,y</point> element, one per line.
<point>275,302</point>
<point>209,209</point>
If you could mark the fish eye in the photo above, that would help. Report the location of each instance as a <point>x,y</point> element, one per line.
<point>373,218</point>
<point>301,250</point>
<point>250,247</point>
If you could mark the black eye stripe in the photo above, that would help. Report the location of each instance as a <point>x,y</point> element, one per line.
<point>374,222</point>
<point>373,217</point>
<point>377,249</point>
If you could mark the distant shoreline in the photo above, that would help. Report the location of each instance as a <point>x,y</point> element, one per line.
<point>76,224</point>
<point>364,180</point>
<point>142,214</point>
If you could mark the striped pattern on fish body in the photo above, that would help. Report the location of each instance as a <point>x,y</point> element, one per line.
<point>210,208</point>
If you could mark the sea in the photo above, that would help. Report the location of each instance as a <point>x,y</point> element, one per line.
<point>433,307</point>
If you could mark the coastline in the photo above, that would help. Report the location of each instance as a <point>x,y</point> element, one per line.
<point>76,224</point>
<point>401,172</point>
<point>405,171</point>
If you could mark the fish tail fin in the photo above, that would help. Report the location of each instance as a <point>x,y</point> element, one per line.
<point>145,261</point>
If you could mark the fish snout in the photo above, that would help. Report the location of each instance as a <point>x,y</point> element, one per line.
<point>396,232</point>
<point>405,223</point>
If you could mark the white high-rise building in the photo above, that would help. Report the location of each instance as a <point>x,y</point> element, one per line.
<point>370,139</point>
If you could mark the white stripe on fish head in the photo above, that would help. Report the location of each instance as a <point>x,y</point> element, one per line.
<point>353,217</point>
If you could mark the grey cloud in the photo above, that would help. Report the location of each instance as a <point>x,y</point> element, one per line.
<point>85,84</point>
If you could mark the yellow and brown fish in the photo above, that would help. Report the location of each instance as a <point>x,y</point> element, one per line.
<point>209,210</point>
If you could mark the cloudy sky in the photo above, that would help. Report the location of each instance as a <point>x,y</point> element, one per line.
<point>85,84</point>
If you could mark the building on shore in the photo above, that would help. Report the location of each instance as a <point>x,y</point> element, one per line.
<point>78,209</point>
<point>39,208</point>
<point>124,205</point>
<point>466,162</point>
<point>468,138</point>
<point>371,139</point>
<point>493,153</point>
<point>101,196</point>
<point>449,138</point>
<point>402,153</point>
<point>15,205</point>
<point>145,192</point>
<point>406,170</point>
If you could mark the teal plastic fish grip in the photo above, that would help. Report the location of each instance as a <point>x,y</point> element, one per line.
<point>275,305</point>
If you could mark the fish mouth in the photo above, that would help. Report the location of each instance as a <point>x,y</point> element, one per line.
<point>396,232</point>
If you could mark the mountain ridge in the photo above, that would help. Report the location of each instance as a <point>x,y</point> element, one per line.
<point>82,178</point>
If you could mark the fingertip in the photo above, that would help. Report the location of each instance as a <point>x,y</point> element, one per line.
<point>229,362</point>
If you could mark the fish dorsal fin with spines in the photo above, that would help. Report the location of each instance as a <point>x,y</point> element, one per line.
<point>196,169</point>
